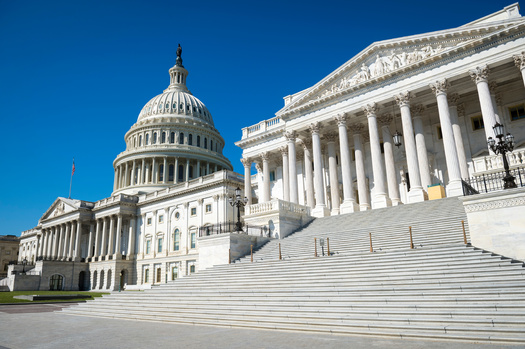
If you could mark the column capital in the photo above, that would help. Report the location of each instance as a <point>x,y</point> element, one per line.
<point>461,110</point>
<point>357,128</point>
<point>440,87</point>
<point>341,119</point>
<point>403,99</point>
<point>283,150</point>
<point>216,197</point>
<point>519,60</point>
<point>417,109</point>
<point>200,201</point>
<point>453,99</point>
<point>492,87</point>
<point>265,156</point>
<point>246,162</point>
<point>385,119</point>
<point>370,109</point>
<point>305,143</point>
<point>290,135</point>
<point>330,137</point>
<point>315,127</point>
<point>480,74</point>
<point>258,167</point>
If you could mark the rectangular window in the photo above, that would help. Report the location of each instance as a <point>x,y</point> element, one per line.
<point>148,246</point>
<point>146,276</point>
<point>174,273</point>
<point>159,247</point>
<point>176,241</point>
<point>161,218</point>
<point>208,208</point>
<point>192,269</point>
<point>272,176</point>
<point>477,123</point>
<point>194,211</point>
<point>517,112</point>
<point>149,221</point>
<point>193,240</point>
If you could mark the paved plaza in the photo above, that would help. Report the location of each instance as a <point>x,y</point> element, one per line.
<point>39,326</point>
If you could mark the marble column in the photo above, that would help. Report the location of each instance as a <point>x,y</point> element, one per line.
<point>115,179</point>
<point>126,175</point>
<point>458,138</point>
<point>103,240</point>
<point>187,170</point>
<point>349,204</point>
<point>142,172</point>
<point>77,255</point>
<point>265,156</point>
<point>362,188</point>
<point>496,101</point>
<point>90,241</point>
<point>97,239</point>
<point>60,242</point>
<point>332,171</point>
<point>416,192</point>
<point>54,242</point>
<point>422,154</point>
<point>131,239</point>
<point>147,171</point>
<point>519,60</point>
<point>454,186</point>
<point>308,171</point>
<point>118,246</point>
<point>66,239</point>
<point>286,177</point>
<point>390,168</point>
<point>480,77</point>
<point>72,240</point>
<point>154,171</point>
<point>380,199</point>
<point>320,209</point>
<point>111,236</point>
<point>133,174</point>
<point>292,166</point>
<point>247,163</point>
<point>165,171</point>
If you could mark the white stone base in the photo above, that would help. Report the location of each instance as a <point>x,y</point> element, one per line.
<point>417,195</point>
<point>381,201</point>
<point>335,212</point>
<point>396,202</point>
<point>454,189</point>
<point>349,207</point>
<point>364,207</point>
<point>320,211</point>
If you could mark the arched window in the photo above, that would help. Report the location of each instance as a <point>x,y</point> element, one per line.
<point>176,240</point>
<point>163,138</point>
<point>211,145</point>
<point>205,143</point>
<point>56,282</point>
<point>190,139</point>
<point>147,138</point>
<point>181,173</point>
<point>172,137</point>
<point>140,141</point>
<point>181,138</point>
<point>198,141</point>
<point>171,173</point>
<point>155,138</point>
<point>161,172</point>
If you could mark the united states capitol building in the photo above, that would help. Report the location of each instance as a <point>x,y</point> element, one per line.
<point>403,122</point>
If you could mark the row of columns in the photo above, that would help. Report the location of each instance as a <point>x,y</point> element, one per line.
<point>106,237</point>
<point>382,167</point>
<point>61,242</point>
<point>141,171</point>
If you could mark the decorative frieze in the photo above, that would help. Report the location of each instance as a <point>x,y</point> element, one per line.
<point>519,60</point>
<point>490,205</point>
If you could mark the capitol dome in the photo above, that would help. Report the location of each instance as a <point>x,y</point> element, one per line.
<point>174,140</point>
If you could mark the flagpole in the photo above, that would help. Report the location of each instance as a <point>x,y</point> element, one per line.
<point>71,181</point>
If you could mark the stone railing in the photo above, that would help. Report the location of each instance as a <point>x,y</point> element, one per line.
<point>277,205</point>
<point>494,163</point>
<point>117,198</point>
<point>262,127</point>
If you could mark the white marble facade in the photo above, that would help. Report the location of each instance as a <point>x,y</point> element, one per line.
<point>330,147</point>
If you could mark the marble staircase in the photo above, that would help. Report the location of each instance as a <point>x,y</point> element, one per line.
<point>442,289</point>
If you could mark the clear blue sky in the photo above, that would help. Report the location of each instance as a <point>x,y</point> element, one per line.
<point>74,75</point>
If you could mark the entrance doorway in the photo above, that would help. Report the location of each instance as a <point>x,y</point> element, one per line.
<point>159,275</point>
<point>56,282</point>
<point>82,281</point>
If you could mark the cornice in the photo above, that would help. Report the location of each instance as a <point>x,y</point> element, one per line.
<point>267,135</point>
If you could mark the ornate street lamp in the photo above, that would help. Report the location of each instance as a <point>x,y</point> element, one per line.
<point>238,202</point>
<point>503,146</point>
<point>397,137</point>
<point>24,263</point>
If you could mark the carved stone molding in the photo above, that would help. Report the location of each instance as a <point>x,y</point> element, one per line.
<point>290,135</point>
<point>461,110</point>
<point>453,99</point>
<point>519,60</point>
<point>283,150</point>
<point>499,101</point>
<point>315,127</point>
<point>489,205</point>
<point>417,109</point>
<point>305,143</point>
<point>330,137</point>
<point>265,156</point>
<point>492,87</point>
<point>341,119</point>
<point>440,87</point>
<point>370,109</point>
<point>403,98</point>
<point>480,74</point>
<point>246,162</point>
<point>200,201</point>
<point>215,197</point>
<point>258,167</point>
<point>357,128</point>
<point>385,119</point>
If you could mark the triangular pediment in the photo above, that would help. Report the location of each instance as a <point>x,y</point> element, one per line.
<point>60,207</point>
<point>385,59</point>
